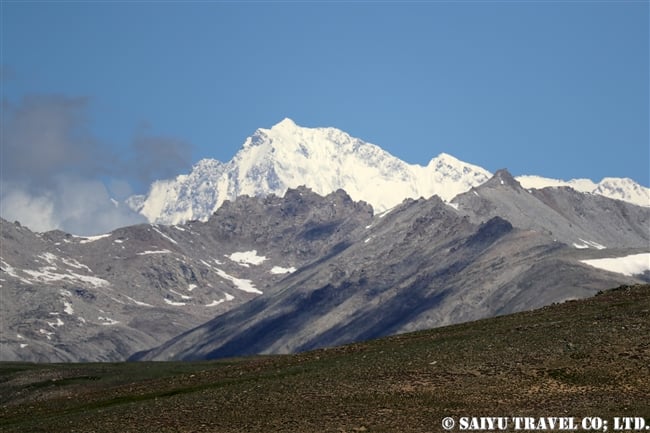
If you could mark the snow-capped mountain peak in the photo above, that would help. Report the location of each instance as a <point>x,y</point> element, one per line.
<point>327,159</point>
<point>285,124</point>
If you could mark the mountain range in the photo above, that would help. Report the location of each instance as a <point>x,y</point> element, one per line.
<point>326,159</point>
<point>242,258</point>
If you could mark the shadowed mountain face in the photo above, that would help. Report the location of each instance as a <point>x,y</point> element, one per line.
<point>278,275</point>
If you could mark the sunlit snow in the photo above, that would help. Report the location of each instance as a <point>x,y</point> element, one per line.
<point>67,307</point>
<point>588,244</point>
<point>87,239</point>
<point>107,320</point>
<point>180,294</point>
<point>628,265</point>
<point>163,234</point>
<point>47,334</point>
<point>136,302</point>
<point>48,274</point>
<point>56,324</point>
<point>247,258</point>
<point>145,253</point>
<point>170,302</point>
<point>75,264</point>
<point>215,303</point>
<point>281,270</point>
<point>240,283</point>
<point>11,271</point>
<point>228,297</point>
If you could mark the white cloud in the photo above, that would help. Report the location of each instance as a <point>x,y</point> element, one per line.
<point>35,212</point>
<point>72,204</point>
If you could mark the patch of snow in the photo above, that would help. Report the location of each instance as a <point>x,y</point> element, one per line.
<point>47,334</point>
<point>588,244</point>
<point>118,241</point>
<point>594,244</point>
<point>20,337</point>
<point>107,320</point>
<point>75,264</point>
<point>48,257</point>
<point>11,271</point>
<point>453,205</point>
<point>366,240</point>
<point>384,213</point>
<point>241,284</point>
<point>180,294</point>
<point>48,274</point>
<point>67,307</point>
<point>228,298</point>
<point>170,302</point>
<point>145,253</point>
<point>247,258</point>
<point>56,324</point>
<point>117,300</point>
<point>177,227</point>
<point>215,303</point>
<point>192,286</point>
<point>136,302</point>
<point>628,265</point>
<point>163,234</point>
<point>87,239</point>
<point>281,270</point>
<point>23,345</point>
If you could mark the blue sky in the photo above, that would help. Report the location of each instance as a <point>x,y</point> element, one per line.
<point>554,88</point>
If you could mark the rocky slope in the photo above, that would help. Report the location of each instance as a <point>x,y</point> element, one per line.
<point>68,298</point>
<point>422,265</point>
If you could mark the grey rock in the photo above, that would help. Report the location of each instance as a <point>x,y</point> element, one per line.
<point>421,265</point>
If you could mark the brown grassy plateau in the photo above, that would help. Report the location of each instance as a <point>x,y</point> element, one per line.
<point>579,358</point>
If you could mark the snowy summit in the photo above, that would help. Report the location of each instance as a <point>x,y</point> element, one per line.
<point>325,160</point>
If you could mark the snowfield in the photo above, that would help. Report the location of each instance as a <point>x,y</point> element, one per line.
<point>246,258</point>
<point>634,264</point>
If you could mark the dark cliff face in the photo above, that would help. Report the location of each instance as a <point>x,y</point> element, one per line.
<point>301,224</point>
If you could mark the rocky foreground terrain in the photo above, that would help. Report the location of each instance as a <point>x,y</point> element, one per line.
<point>577,359</point>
